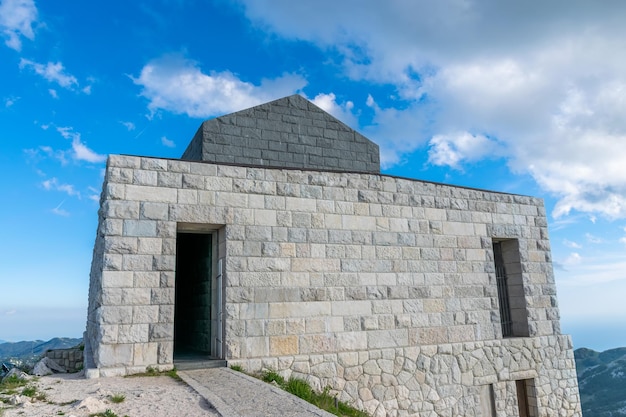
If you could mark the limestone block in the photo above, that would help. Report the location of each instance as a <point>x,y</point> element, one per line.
<point>187,196</point>
<point>265,217</point>
<point>146,314</point>
<point>139,228</point>
<point>351,308</point>
<point>163,262</point>
<point>111,296</point>
<point>146,279</point>
<point>269,264</point>
<point>165,315</point>
<point>162,296</point>
<point>300,204</point>
<point>115,314</point>
<point>123,161</point>
<point>143,177</point>
<point>154,164</point>
<point>283,345</point>
<point>255,347</point>
<point>117,355</point>
<point>166,279</point>
<point>133,333</point>
<point>161,332</point>
<point>377,339</point>
<point>351,341</point>
<point>152,194</point>
<point>299,309</point>
<point>315,265</point>
<point>137,262</point>
<point>107,333</point>
<point>228,199</point>
<point>149,245</point>
<point>112,262</point>
<point>253,311</point>
<point>317,343</point>
<point>169,179</point>
<point>136,296</point>
<point>117,279</point>
<point>120,245</point>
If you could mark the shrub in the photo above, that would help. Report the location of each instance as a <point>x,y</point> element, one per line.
<point>117,398</point>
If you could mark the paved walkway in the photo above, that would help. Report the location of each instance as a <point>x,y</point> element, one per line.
<point>234,394</point>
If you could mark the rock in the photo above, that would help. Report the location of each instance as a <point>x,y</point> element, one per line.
<point>17,374</point>
<point>47,366</point>
<point>91,405</point>
<point>16,399</point>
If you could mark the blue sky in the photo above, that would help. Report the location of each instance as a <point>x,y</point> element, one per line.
<point>523,97</point>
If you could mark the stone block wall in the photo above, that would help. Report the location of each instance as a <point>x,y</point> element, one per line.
<point>70,359</point>
<point>287,133</point>
<point>382,288</point>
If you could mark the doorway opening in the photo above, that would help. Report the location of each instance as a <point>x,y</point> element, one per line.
<point>198,300</point>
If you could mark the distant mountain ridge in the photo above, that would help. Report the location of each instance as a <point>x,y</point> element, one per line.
<point>28,351</point>
<point>602,382</point>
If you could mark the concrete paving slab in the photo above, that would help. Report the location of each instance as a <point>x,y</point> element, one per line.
<point>235,394</point>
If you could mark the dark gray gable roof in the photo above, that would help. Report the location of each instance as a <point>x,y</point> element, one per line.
<point>290,132</point>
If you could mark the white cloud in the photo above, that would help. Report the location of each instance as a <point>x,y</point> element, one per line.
<point>10,101</point>
<point>342,111</point>
<point>59,211</point>
<point>53,93</point>
<point>16,20</point>
<point>167,142</point>
<point>128,125</point>
<point>53,184</point>
<point>571,244</point>
<point>79,150</point>
<point>549,87</point>
<point>178,85</point>
<point>452,150</point>
<point>82,153</point>
<point>593,239</point>
<point>53,72</point>
<point>573,259</point>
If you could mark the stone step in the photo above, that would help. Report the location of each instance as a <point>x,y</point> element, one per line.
<point>188,364</point>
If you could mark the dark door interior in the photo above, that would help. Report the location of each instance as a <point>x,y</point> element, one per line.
<point>192,311</point>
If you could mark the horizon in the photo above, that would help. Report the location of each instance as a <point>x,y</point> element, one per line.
<point>492,96</point>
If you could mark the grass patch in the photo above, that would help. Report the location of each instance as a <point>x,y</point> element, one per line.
<point>11,384</point>
<point>302,389</point>
<point>172,373</point>
<point>107,413</point>
<point>29,391</point>
<point>273,376</point>
<point>237,368</point>
<point>117,398</point>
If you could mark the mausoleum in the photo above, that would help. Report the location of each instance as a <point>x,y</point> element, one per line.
<point>275,242</point>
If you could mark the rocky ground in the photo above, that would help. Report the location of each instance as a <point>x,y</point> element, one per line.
<point>72,395</point>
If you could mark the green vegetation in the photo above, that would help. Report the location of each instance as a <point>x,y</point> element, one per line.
<point>302,389</point>
<point>107,413</point>
<point>602,382</point>
<point>152,371</point>
<point>237,368</point>
<point>11,384</point>
<point>273,376</point>
<point>29,391</point>
<point>117,398</point>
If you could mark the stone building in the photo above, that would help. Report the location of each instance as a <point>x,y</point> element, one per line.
<point>276,243</point>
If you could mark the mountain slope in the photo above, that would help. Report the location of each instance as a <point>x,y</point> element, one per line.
<point>28,351</point>
<point>602,382</point>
